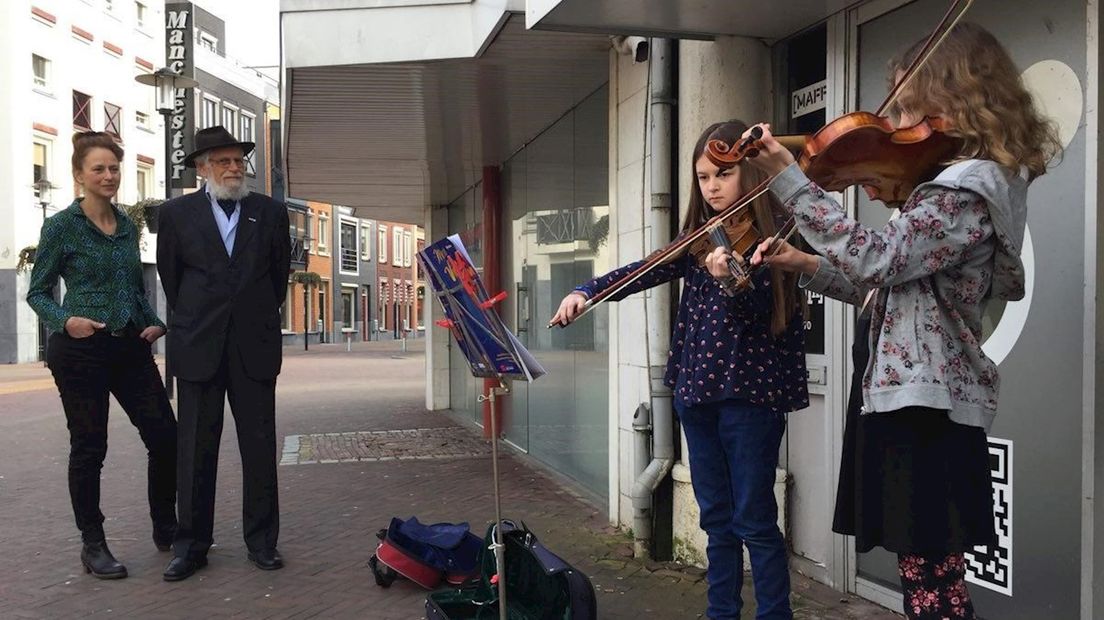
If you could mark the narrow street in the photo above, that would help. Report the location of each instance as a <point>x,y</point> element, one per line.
<point>345,472</point>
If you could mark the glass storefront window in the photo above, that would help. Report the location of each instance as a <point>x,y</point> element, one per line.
<point>555,231</point>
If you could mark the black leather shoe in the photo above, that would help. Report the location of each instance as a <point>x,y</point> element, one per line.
<point>266,559</point>
<point>182,568</point>
<point>97,559</point>
<point>163,537</point>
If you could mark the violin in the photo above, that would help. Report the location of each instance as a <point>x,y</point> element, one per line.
<point>739,237</point>
<point>860,148</point>
<point>863,148</point>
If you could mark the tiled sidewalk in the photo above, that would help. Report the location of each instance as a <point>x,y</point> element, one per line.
<point>362,449</point>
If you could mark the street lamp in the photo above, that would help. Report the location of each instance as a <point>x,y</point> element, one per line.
<point>167,82</point>
<point>43,188</point>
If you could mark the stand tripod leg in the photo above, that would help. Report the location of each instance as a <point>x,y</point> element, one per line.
<point>499,549</point>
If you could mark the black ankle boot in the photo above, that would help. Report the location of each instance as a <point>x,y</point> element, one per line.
<point>97,559</point>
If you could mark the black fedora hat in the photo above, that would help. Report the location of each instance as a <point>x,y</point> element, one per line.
<point>214,138</point>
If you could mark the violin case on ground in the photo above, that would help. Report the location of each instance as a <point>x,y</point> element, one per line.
<point>539,585</point>
<point>426,554</point>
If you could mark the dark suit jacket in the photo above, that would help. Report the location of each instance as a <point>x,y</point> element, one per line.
<point>210,292</point>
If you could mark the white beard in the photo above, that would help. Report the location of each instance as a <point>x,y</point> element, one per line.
<point>223,192</point>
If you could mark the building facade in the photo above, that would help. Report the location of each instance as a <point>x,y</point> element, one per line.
<point>70,67</point>
<point>308,311</point>
<point>395,302</point>
<point>355,270</point>
<point>551,176</point>
<point>238,98</point>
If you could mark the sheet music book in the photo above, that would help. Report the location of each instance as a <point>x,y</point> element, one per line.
<point>490,348</point>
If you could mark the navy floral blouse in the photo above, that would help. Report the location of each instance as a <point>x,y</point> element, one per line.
<point>722,347</point>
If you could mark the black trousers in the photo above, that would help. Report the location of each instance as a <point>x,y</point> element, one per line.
<point>85,371</point>
<point>200,409</point>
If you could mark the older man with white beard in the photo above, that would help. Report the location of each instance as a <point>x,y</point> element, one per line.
<point>223,254</point>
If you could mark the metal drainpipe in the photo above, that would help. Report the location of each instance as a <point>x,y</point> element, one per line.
<point>661,101</point>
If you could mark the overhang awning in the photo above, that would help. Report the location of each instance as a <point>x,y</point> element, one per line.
<point>387,136</point>
<point>685,19</point>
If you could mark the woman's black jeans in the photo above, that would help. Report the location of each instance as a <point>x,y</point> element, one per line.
<point>86,371</point>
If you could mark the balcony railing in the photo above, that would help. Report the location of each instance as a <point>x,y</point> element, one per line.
<point>298,252</point>
<point>349,259</point>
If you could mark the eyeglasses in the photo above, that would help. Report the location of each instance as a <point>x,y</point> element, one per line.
<point>224,162</point>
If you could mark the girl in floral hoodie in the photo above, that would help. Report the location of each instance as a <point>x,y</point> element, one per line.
<point>915,475</point>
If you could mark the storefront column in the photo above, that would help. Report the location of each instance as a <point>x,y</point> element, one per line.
<point>720,80</point>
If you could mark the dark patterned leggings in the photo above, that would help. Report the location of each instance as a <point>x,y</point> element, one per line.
<point>935,588</point>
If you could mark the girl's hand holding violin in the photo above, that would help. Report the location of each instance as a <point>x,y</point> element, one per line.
<point>571,306</point>
<point>773,157</point>
<point>716,262</point>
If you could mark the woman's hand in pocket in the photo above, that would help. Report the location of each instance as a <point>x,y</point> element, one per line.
<point>152,333</point>
<point>81,327</point>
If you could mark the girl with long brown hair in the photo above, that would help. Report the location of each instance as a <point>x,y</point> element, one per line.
<point>915,475</point>
<point>736,368</point>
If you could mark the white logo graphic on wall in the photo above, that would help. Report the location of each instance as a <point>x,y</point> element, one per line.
<point>991,567</point>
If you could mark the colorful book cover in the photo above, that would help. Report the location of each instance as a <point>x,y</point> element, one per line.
<point>490,348</point>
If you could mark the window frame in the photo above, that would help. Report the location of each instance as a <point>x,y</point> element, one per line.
<point>208,103</point>
<point>251,159</point>
<point>322,241</point>
<point>342,222</point>
<point>41,84</point>
<point>148,189</point>
<point>140,9</point>
<point>396,250</point>
<point>47,152</point>
<point>207,41</point>
<point>352,294</point>
<point>85,108</point>
<point>381,253</point>
<point>234,111</point>
<point>407,255</point>
<point>117,116</point>
<point>366,241</point>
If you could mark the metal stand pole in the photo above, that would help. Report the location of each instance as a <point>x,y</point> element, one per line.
<point>499,550</point>
<point>168,196</point>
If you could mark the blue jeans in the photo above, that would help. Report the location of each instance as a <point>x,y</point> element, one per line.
<point>733,457</point>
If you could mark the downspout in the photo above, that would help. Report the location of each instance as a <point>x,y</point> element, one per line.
<point>658,417</point>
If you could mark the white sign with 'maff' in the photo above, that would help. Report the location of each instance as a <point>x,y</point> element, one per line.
<point>809,99</point>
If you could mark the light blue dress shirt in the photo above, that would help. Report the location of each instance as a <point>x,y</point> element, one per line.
<point>227,226</point>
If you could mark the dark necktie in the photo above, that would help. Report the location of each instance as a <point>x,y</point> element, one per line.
<point>228,206</point>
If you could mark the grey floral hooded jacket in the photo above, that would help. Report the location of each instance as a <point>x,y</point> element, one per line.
<point>955,245</point>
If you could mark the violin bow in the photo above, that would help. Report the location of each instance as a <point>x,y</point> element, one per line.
<point>934,40</point>
<point>672,250</point>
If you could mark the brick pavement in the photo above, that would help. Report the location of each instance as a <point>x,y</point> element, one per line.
<point>329,511</point>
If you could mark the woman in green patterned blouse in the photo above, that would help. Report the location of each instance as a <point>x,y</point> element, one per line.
<point>100,344</point>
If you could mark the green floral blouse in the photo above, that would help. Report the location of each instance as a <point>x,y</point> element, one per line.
<point>102,273</point>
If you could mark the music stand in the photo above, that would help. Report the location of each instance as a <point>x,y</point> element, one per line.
<point>491,350</point>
